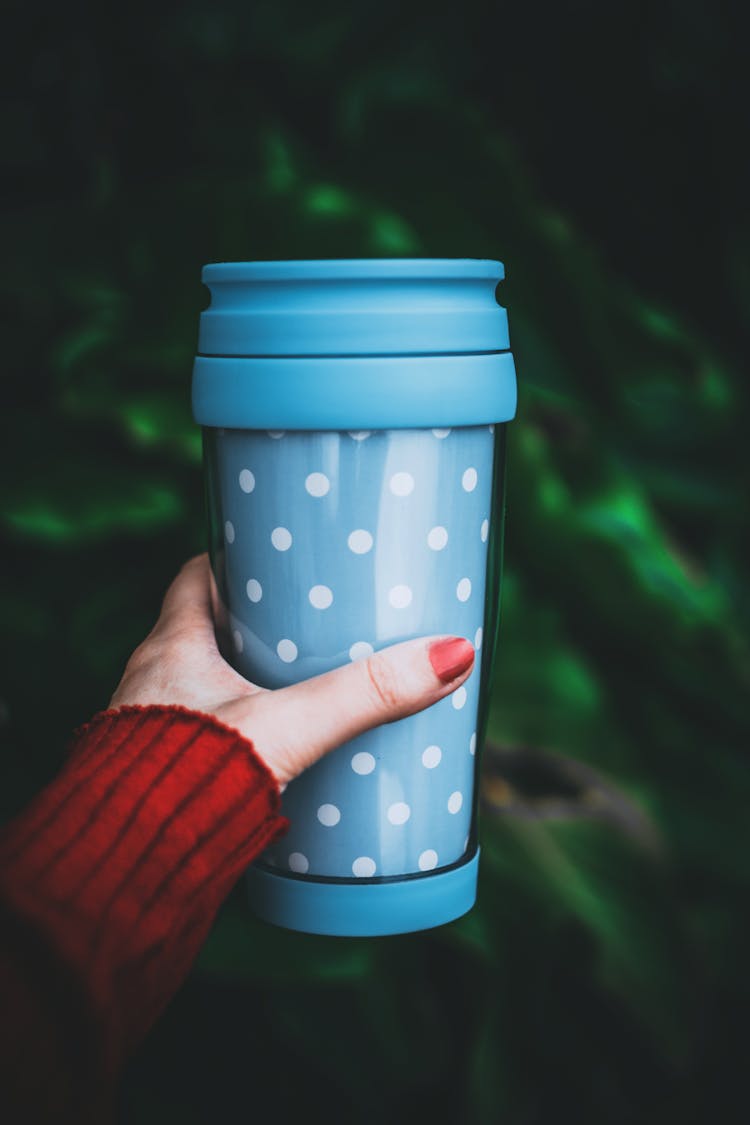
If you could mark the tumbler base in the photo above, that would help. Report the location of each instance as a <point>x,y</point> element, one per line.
<point>363,909</point>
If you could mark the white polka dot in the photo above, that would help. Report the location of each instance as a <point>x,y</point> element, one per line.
<point>458,699</point>
<point>463,590</point>
<point>276,433</point>
<point>484,530</point>
<point>360,650</point>
<point>492,428</point>
<point>281,538</point>
<point>360,542</point>
<point>469,480</point>
<point>364,867</point>
<point>478,638</point>
<point>298,862</point>
<point>427,860</point>
<point>399,813</point>
<point>287,651</point>
<point>229,531</point>
<point>437,538</point>
<point>455,801</point>
<point>363,762</point>
<point>329,815</point>
<point>237,638</point>
<point>321,597</point>
<point>359,435</point>
<point>247,481</point>
<point>317,484</point>
<point>254,590</point>
<point>402,484</point>
<point>473,744</point>
<point>431,757</point>
<point>399,597</point>
<point>441,433</point>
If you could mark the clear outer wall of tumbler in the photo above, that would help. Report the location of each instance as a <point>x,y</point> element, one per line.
<point>326,546</point>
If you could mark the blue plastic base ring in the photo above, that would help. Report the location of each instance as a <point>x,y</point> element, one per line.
<point>363,909</point>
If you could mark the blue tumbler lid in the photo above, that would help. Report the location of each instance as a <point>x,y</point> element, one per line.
<point>353,307</point>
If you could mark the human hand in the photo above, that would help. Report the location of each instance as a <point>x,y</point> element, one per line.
<point>179,663</point>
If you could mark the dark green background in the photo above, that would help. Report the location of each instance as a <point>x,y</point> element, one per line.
<point>599,150</point>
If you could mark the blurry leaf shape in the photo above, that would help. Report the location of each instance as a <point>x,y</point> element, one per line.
<point>326,199</point>
<point>715,387</point>
<point>156,419</point>
<point>530,784</point>
<point>661,324</point>
<point>280,173</point>
<point>591,873</point>
<point>98,515</point>
<point>392,235</point>
<point>81,345</point>
<point>623,515</point>
<point>546,690</point>
<point>82,490</point>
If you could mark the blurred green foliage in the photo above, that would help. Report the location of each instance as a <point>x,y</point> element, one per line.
<point>593,149</point>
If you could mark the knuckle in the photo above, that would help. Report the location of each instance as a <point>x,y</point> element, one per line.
<point>383,683</point>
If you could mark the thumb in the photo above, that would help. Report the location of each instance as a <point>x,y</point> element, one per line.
<point>294,726</point>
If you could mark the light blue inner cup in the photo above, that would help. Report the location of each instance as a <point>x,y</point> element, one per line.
<point>355,499</point>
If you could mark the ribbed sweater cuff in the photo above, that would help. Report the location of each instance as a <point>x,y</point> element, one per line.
<point>126,856</point>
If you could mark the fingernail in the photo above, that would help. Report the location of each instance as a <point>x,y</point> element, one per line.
<point>450,657</point>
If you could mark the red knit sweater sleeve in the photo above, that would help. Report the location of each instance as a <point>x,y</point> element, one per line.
<point>109,883</point>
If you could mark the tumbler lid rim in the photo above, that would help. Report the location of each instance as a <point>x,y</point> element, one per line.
<point>352,268</point>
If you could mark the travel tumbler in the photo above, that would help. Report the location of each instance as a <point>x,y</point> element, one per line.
<point>353,416</point>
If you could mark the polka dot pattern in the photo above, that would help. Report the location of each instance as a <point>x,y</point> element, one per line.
<point>399,812</point>
<point>459,697</point>
<point>329,815</point>
<point>428,859</point>
<point>400,597</point>
<point>342,543</point>
<point>281,537</point>
<point>431,757</point>
<point>321,597</point>
<point>360,541</point>
<point>402,484</point>
<point>254,590</point>
<point>287,650</point>
<point>437,538</point>
<point>463,590</point>
<point>469,480</point>
<point>317,484</point>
